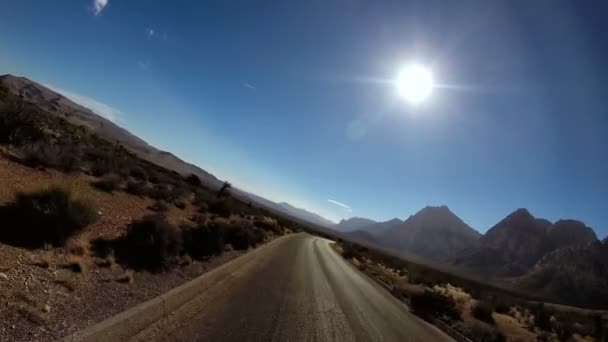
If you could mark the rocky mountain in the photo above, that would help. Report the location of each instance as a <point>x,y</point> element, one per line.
<point>577,274</point>
<point>433,232</point>
<point>519,241</point>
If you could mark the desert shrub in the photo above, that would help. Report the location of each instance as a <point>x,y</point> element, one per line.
<point>269,225</point>
<point>483,312</point>
<point>180,204</point>
<point>138,172</point>
<point>202,240</point>
<point>160,192</point>
<point>242,234</point>
<point>432,304</point>
<point>108,183</point>
<point>542,318</point>
<point>194,180</point>
<point>220,207</point>
<point>502,307</point>
<point>481,333</point>
<point>40,155</point>
<point>18,126</point>
<point>159,206</point>
<point>351,250</point>
<point>137,188</point>
<point>203,207</point>
<point>150,243</point>
<point>47,216</point>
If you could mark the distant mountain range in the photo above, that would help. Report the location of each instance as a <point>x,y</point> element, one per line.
<point>433,233</point>
<point>563,259</point>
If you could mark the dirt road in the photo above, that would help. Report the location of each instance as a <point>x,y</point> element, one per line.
<point>296,288</point>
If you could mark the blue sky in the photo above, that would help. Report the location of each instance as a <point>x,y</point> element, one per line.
<point>295,101</point>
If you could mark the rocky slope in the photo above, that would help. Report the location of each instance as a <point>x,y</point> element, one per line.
<point>578,273</point>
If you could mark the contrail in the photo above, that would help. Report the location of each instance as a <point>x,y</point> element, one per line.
<point>340,204</point>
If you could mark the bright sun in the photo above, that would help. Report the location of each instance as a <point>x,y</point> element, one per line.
<point>415,83</point>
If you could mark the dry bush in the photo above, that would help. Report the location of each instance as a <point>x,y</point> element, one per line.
<point>108,261</point>
<point>43,260</point>
<point>185,260</point>
<point>78,246</point>
<point>432,304</point>
<point>137,188</point>
<point>108,183</point>
<point>159,206</point>
<point>150,243</point>
<point>47,216</point>
<point>75,264</point>
<point>126,278</point>
<point>181,204</point>
<point>483,312</point>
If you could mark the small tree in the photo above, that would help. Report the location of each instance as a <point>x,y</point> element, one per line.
<point>224,189</point>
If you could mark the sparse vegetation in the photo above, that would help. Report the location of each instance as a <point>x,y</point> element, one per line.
<point>46,216</point>
<point>159,206</point>
<point>432,304</point>
<point>202,241</point>
<point>75,264</point>
<point>151,243</point>
<point>126,278</point>
<point>137,188</point>
<point>194,180</point>
<point>108,183</point>
<point>483,312</point>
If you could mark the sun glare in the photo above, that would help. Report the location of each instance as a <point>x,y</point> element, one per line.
<point>415,83</point>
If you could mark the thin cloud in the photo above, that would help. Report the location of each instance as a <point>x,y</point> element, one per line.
<point>248,85</point>
<point>150,32</point>
<point>99,108</point>
<point>98,6</point>
<point>340,204</point>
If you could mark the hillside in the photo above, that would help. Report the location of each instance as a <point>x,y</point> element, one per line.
<point>577,272</point>
<point>63,107</point>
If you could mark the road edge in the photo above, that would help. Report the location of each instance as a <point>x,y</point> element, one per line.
<point>128,323</point>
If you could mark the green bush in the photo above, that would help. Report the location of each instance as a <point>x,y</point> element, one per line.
<point>483,312</point>
<point>151,243</point>
<point>47,216</point>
